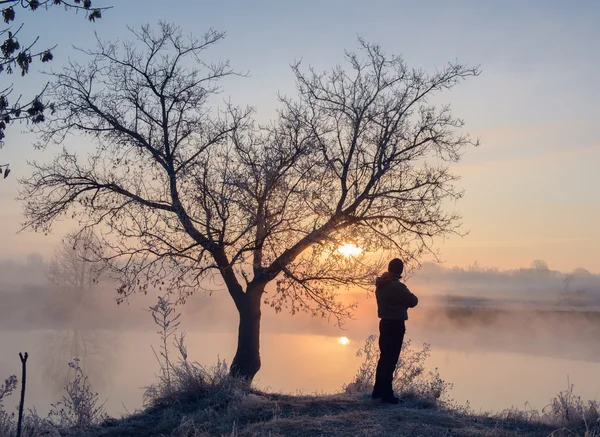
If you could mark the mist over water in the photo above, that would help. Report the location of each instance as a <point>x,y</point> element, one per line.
<point>502,338</point>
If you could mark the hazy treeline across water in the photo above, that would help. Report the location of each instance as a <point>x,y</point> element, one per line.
<point>531,310</point>
<point>535,283</point>
<point>473,297</point>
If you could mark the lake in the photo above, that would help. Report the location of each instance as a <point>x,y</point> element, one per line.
<point>123,363</point>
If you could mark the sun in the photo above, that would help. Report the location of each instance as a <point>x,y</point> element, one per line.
<point>349,249</point>
<point>343,341</point>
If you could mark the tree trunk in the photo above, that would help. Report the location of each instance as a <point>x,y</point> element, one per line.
<point>246,362</point>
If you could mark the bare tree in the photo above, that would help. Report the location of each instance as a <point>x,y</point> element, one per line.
<point>76,283</point>
<point>71,271</point>
<point>181,193</point>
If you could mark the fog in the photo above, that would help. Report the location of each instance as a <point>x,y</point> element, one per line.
<point>502,338</point>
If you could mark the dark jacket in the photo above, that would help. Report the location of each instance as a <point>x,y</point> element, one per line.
<point>393,297</point>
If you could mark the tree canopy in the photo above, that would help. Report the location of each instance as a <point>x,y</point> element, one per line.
<point>180,192</point>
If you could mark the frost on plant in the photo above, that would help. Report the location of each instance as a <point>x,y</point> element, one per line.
<point>570,410</point>
<point>181,377</point>
<point>410,376</point>
<point>80,406</point>
<point>165,317</point>
<point>7,421</point>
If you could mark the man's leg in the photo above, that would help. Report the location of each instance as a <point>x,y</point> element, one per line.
<point>386,364</point>
<point>397,340</point>
<point>390,343</point>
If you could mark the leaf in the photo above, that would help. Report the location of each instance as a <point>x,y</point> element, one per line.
<point>47,56</point>
<point>9,46</point>
<point>96,14</point>
<point>8,15</point>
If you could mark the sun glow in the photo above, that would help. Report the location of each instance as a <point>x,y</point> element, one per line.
<point>349,249</point>
<point>343,341</point>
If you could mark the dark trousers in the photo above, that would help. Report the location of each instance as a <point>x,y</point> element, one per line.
<point>391,335</point>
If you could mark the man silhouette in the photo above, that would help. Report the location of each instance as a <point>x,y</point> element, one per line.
<point>393,301</point>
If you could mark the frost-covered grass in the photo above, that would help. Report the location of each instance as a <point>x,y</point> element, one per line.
<point>77,410</point>
<point>566,412</point>
<point>7,420</point>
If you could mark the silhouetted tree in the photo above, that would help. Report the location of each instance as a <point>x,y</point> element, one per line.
<point>539,265</point>
<point>182,193</point>
<point>17,57</point>
<point>72,272</point>
<point>76,281</point>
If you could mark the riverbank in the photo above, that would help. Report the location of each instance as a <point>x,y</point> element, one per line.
<point>233,412</point>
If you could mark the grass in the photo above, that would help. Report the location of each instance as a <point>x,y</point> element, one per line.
<point>228,410</point>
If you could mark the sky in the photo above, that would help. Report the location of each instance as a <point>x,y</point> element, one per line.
<point>530,188</point>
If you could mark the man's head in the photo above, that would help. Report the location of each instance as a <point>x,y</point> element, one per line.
<point>396,266</point>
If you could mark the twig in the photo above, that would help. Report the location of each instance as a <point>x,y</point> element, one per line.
<point>126,410</point>
<point>23,381</point>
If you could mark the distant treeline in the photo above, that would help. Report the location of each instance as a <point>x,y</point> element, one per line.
<point>536,283</point>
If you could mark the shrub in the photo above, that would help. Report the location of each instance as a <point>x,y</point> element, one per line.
<point>411,380</point>
<point>7,421</point>
<point>570,411</point>
<point>183,379</point>
<point>79,407</point>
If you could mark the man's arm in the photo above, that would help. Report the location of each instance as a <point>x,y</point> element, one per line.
<point>404,297</point>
